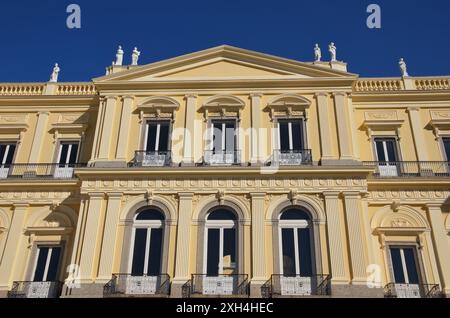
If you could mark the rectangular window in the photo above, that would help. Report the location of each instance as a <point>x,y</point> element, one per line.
<point>386,149</point>
<point>288,247</point>
<point>157,136</point>
<point>446,142</point>
<point>223,136</point>
<point>68,153</point>
<point>290,134</point>
<point>155,255</point>
<point>212,266</point>
<point>7,154</point>
<point>140,242</point>
<point>404,265</point>
<point>47,264</point>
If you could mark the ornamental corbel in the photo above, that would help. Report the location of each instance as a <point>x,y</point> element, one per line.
<point>149,197</point>
<point>294,197</point>
<point>141,116</point>
<point>421,240</point>
<point>55,136</point>
<point>220,196</point>
<point>382,240</point>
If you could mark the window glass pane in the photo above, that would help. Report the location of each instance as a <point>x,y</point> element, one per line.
<point>217,136</point>
<point>151,137</point>
<point>64,151</point>
<point>390,145</point>
<point>2,152</point>
<point>150,215</point>
<point>287,241</point>
<point>380,150</point>
<point>221,214</point>
<point>54,265</point>
<point>284,136</point>
<point>140,238</point>
<point>229,247</point>
<point>10,156</point>
<point>304,244</point>
<point>411,267</point>
<point>74,153</point>
<point>294,214</point>
<point>229,136</point>
<point>212,258</point>
<point>447,148</point>
<point>154,262</point>
<point>297,135</point>
<point>40,265</point>
<point>399,277</point>
<point>164,137</point>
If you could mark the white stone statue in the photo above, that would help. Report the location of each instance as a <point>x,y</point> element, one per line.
<point>332,50</point>
<point>403,67</point>
<point>135,56</point>
<point>317,53</point>
<point>119,56</point>
<point>55,73</point>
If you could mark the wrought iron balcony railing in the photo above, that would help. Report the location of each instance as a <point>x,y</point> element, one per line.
<point>410,169</point>
<point>39,170</point>
<point>296,285</point>
<point>222,158</point>
<point>35,290</point>
<point>291,157</point>
<point>232,285</point>
<point>145,158</point>
<point>394,290</point>
<point>127,284</point>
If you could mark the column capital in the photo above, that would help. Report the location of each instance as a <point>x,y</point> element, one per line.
<point>96,195</point>
<point>108,97</point>
<point>331,194</point>
<point>114,195</point>
<point>258,195</point>
<point>20,205</point>
<point>185,195</point>
<point>349,194</point>
<point>335,94</point>
<point>126,97</point>
<point>191,95</point>
<point>256,95</point>
<point>434,206</point>
<point>412,109</point>
<point>43,113</point>
<point>321,94</point>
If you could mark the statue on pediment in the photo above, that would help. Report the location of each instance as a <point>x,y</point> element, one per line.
<point>55,73</point>
<point>135,56</point>
<point>332,49</point>
<point>119,56</point>
<point>403,67</point>
<point>317,53</point>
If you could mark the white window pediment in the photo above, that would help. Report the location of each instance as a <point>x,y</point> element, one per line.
<point>158,107</point>
<point>222,106</point>
<point>382,120</point>
<point>288,105</point>
<point>14,124</point>
<point>440,120</point>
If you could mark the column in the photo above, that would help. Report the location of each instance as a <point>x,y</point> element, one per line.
<point>441,246</point>
<point>39,134</point>
<point>124,130</point>
<point>258,238</point>
<point>353,128</point>
<point>255,129</point>
<point>89,241</point>
<point>356,237</point>
<point>183,237</point>
<point>335,238</point>
<point>189,136</point>
<point>15,233</point>
<point>324,126</point>
<point>416,127</point>
<point>109,236</point>
<point>105,136</point>
<point>343,124</point>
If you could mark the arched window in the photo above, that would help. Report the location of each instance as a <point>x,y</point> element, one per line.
<point>221,243</point>
<point>148,234</point>
<point>295,237</point>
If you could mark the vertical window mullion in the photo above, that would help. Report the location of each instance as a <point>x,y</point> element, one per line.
<point>212,137</point>
<point>224,129</point>
<point>147,252</point>
<point>5,156</point>
<point>221,251</point>
<point>146,136</point>
<point>47,263</point>
<point>297,256</point>
<point>291,142</point>
<point>405,269</point>
<point>386,155</point>
<point>69,152</point>
<point>278,146</point>
<point>158,130</point>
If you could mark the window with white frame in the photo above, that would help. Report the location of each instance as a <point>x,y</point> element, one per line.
<point>68,153</point>
<point>223,142</point>
<point>290,135</point>
<point>47,264</point>
<point>446,142</point>
<point>157,136</point>
<point>7,151</point>
<point>405,271</point>
<point>387,156</point>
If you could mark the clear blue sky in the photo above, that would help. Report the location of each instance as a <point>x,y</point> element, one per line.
<point>34,34</point>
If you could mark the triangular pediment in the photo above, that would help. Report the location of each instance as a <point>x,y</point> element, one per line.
<point>224,62</point>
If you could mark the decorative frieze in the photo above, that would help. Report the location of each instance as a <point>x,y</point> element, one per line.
<point>418,196</point>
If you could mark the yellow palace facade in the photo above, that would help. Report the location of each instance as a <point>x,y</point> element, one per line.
<point>226,173</point>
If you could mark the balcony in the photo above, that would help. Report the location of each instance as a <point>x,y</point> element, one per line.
<point>231,285</point>
<point>296,286</point>
<point>144,158</point>
<point>291,157</point>
<point>39,171</point>
<point>222,158</point>
<point>127,285</point>
<point>35,290</point>
<point>410,169</point>
<point>393,290</point>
